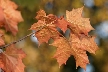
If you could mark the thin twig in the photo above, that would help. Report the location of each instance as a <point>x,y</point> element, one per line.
<point>14,42</point>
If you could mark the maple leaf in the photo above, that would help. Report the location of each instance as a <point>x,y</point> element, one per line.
<point>78,24</point>
<point>63,50</point>
<point>62,24</point>
<point>45,27</point>
<point>76,47</point>
<point>11,15</point>
<point>11,59</point>
<point>40,15</point>
<point>80,46</point>
<point>44,31</point>
<point>51,18</point>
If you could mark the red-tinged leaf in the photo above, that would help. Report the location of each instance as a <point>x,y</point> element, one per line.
<point>11,59</point>
<point>76,47</point>
<point>1,39</point>
<point>11,15</point>
<point>62,24</point>
<point>78,24</point>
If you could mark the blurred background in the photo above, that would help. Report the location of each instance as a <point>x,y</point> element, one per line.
<point>39,59</point>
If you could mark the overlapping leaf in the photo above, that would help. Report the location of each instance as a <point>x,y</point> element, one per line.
<point>79,41</point>
<point>11,59</point>
<point>76,47</point>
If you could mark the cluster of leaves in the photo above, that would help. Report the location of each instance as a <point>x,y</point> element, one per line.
<point>11,59</point>
<point>79,41</point>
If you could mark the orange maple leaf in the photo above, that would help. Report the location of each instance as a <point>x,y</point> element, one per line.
<point>76,47</point>
<point>62,23</point>
<point>44,31</point>
<point>11,59</point>
<point>45,27</point>
<point>11,15</point>
<point>40,15</point>
<point>78,24</point>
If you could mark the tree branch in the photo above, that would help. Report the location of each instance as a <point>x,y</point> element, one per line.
<point>14,42</point>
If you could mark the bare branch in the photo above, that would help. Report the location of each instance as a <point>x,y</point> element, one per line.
<point>14,42</point>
